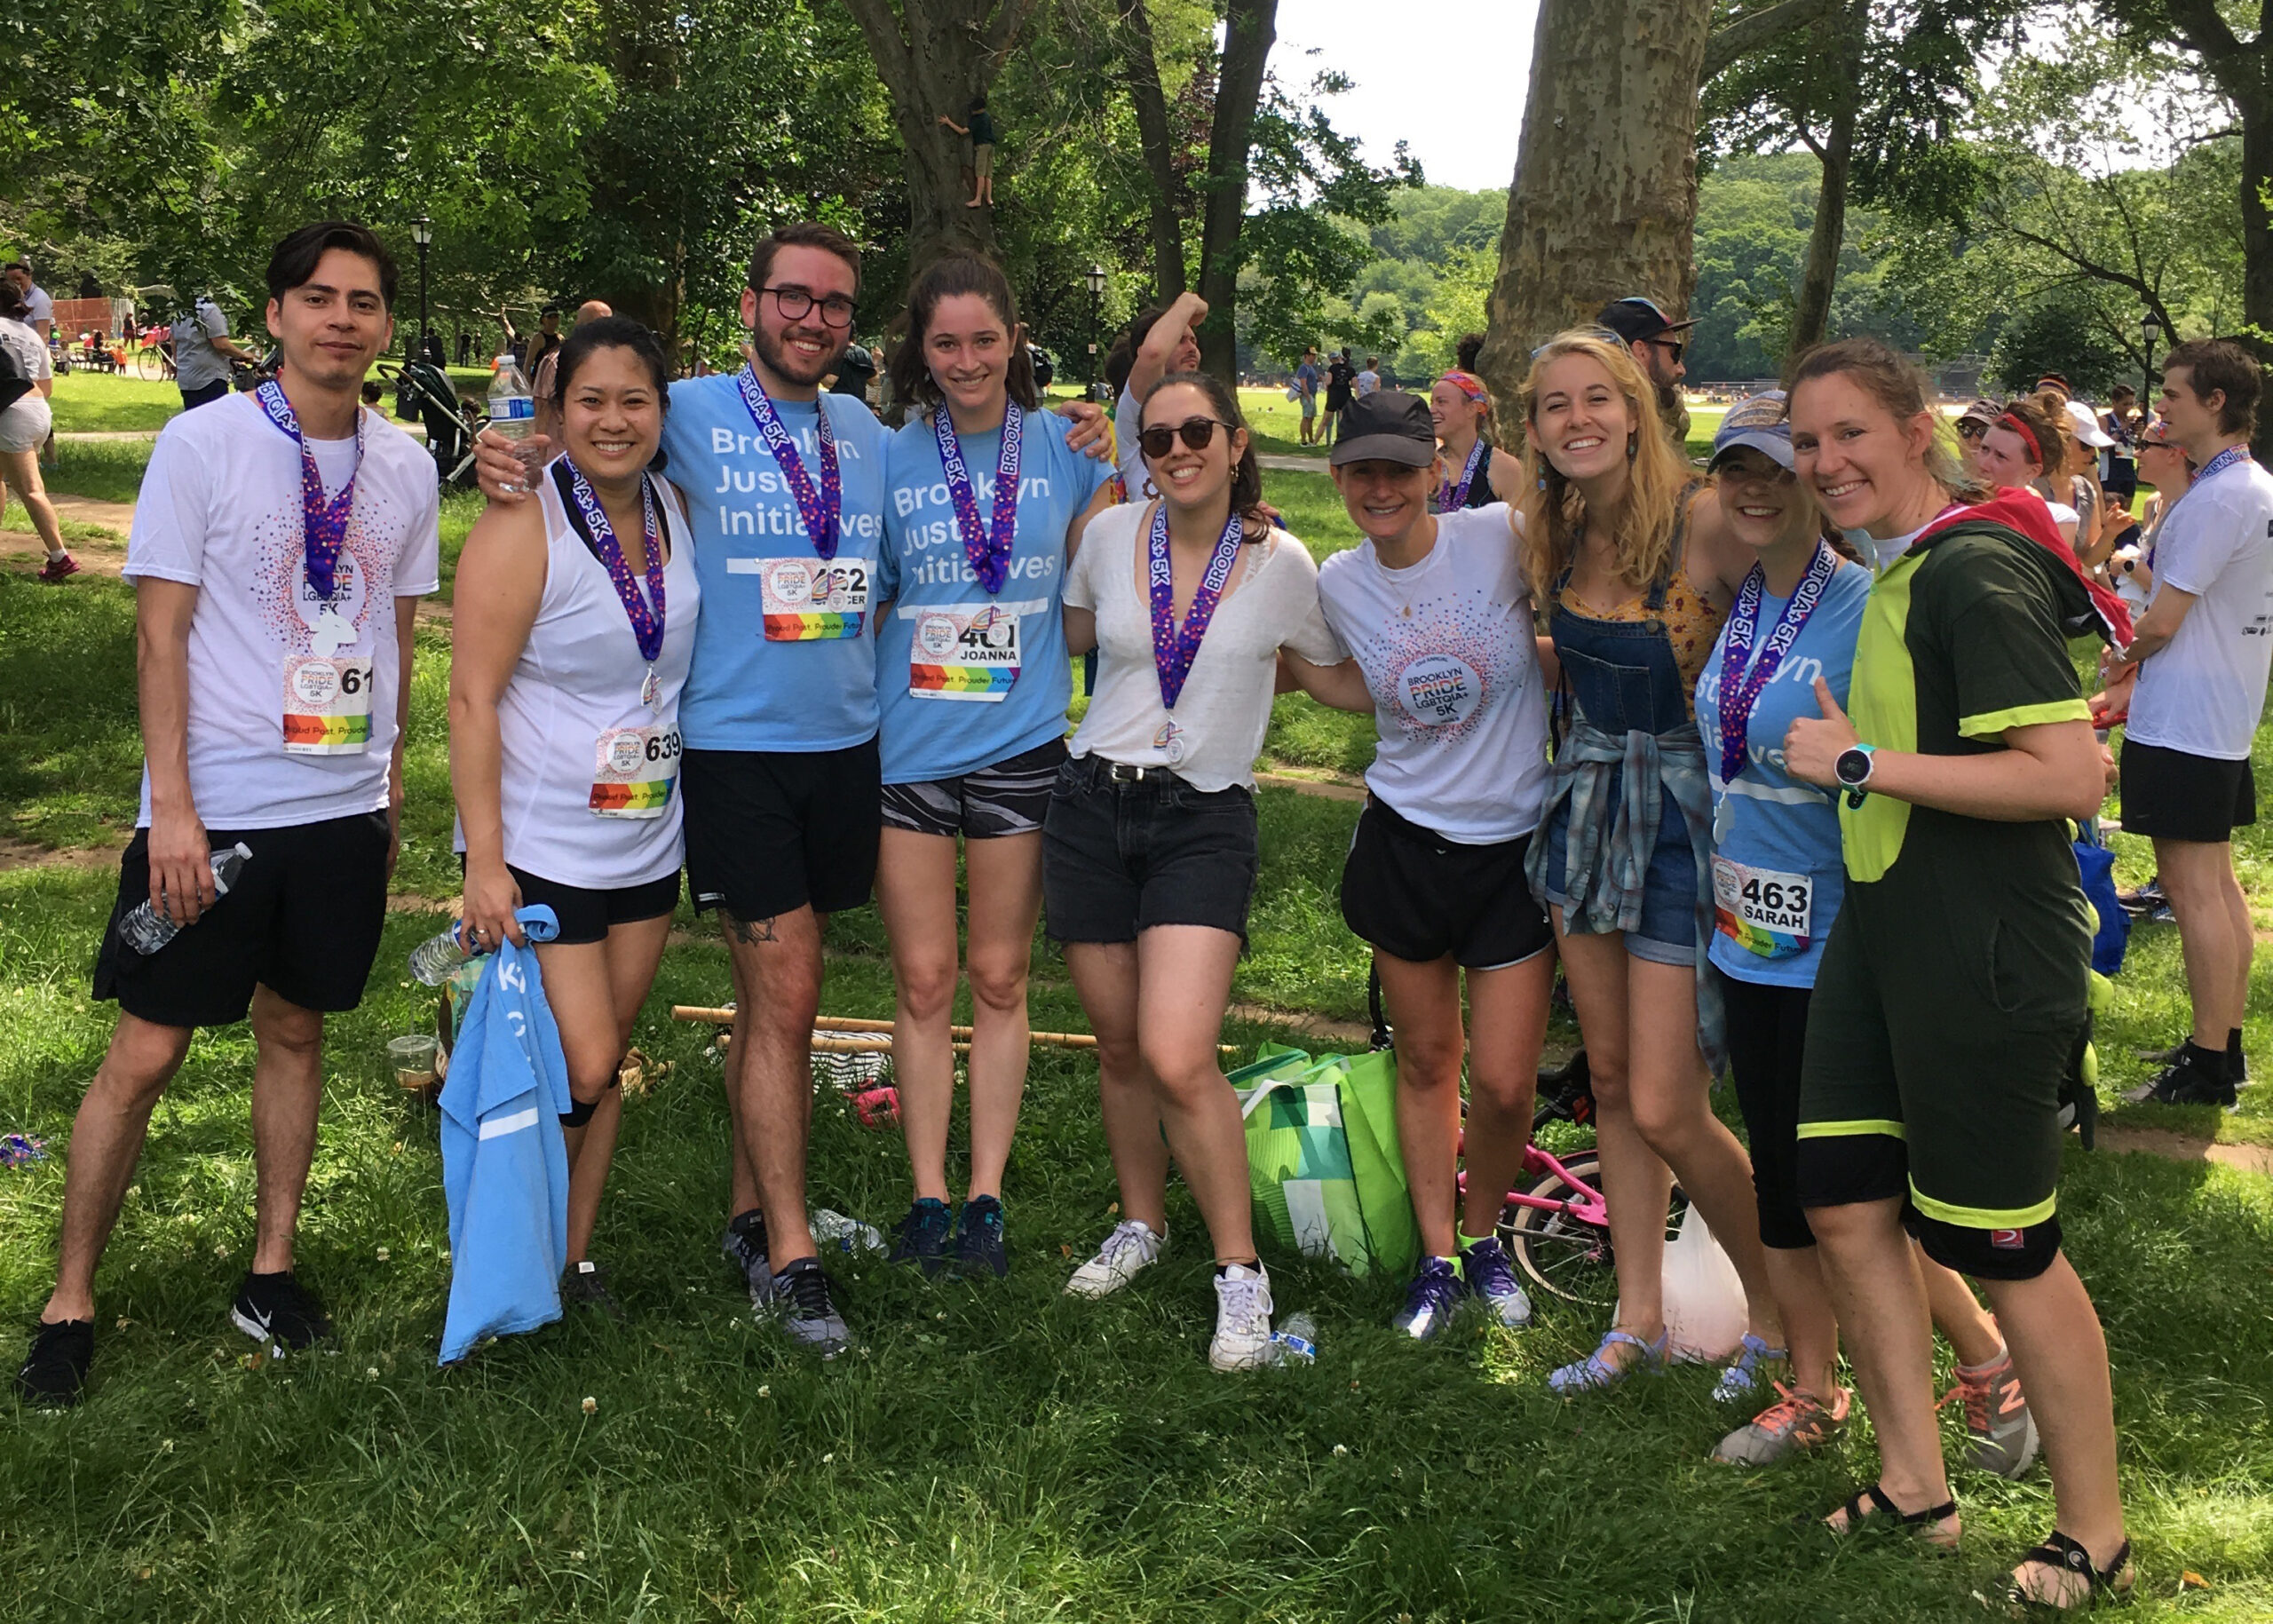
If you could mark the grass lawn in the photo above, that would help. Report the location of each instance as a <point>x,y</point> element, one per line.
<point>113,402</point>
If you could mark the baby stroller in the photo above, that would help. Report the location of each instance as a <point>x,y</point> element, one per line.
<point>424,391</point>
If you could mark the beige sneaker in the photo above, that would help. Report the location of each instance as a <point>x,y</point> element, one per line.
<point>1131,1248</point>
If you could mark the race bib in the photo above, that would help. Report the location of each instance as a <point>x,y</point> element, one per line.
<point>326,704</point>
<point>1761,910</point>
<point>966,654</point>
<point>634,771</point>
<point>809,600</point>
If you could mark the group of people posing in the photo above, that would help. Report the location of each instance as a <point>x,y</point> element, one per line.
<point>1772,807</point>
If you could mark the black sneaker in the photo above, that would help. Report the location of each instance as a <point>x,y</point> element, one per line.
<point>278,1312</point>
<point>585,1284</point>
<point>978,1240</point>
<point>2197,1077</point>
<point>805,1303</point>
<point>921,1237</point>
<point>54,1373</point>
<point>744,1245</point>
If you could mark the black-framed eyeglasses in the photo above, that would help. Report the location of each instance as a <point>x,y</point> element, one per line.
<point>796,303</point>
<point>1160,438</point>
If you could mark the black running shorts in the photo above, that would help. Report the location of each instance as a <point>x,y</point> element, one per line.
<point>2170,794</point>
<point>769,832</point>
<point>303,921</point>
<point>1415,895</point>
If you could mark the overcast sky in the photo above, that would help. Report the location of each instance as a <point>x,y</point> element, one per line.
<point>1447,80</point>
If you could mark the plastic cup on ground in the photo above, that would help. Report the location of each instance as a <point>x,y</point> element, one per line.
<point>413,1057</point>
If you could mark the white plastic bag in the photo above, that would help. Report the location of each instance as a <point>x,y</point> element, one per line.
<point>1706,1311</point>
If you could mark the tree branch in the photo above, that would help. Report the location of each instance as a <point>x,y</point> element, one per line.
<point>2208,37</point>
<point>1009,17</point>
<point>1755,30</point>
<point>886,43</point>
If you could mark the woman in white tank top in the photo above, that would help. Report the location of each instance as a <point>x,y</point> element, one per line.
<point>575,620</point>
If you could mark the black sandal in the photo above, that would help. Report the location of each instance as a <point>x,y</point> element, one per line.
<point>2068,1555</point>
<point>1870,1502</point>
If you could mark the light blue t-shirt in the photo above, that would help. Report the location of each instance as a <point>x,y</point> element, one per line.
<point>928,642</point>
<point>795,690</point>
<point>1771,828</point>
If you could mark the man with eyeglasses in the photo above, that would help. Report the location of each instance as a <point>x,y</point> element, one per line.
<point>1656,342</point>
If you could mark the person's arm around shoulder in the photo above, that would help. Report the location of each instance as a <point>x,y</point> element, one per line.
<point>1716,562</point>
<point>1098,471</point>
<point>500,586</point>
<point>1078,602</point>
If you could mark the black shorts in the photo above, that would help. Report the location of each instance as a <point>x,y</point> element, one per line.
<point>1416,895</point>
<point>1768,1035</point>
<point>769,832</point>
<point>303,921</point>
<point>1121,856</point>
<point>586,914</point>
<point>205,394</point>
<point>1010,797</point>
<point>2169,795</point>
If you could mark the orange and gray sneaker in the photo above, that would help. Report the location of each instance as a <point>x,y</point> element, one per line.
<point>1996,1417</point>
<point>1796,1421</point>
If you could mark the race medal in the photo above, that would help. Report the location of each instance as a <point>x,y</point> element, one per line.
<point>1169,739</point>
<point>651,691</point>
<point>326,704</point>
<point>807,600</point>
<point>633,771</point>
<point>966,653</point>
<point>1762,910</point>
<point>1725,820</point>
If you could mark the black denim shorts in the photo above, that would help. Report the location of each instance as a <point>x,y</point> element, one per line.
<point>1121,855</point>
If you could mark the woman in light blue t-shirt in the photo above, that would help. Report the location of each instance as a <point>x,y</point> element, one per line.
<point>985,508</point>
<point>1778,882</point>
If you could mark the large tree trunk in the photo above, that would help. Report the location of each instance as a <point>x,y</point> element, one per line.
<point>1152,106</point>
<point>2257,244</point>
<point>1250,29</point>
<point>1604,200</point>
<point>1812,315</point>
<point>934,56</point>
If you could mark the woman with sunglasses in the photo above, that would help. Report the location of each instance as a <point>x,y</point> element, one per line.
<point>1477,472</point>
<point>1149,851</point>
<point>575,624</point>
<point>1434,618</point>
<point>1635,568</point>
<point>986,504</point>
<point>1953,989</point>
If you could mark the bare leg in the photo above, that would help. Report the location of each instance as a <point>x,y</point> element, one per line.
<point>1811,1328</point>
<point>106,1138</point>
<point>777,988</point>
<point>1958,1314</point>
<point>287,1095</point>
<point>1105,974</point>
<point>1184,984</point>
<point>2197,876</point>
<point>1882,1307</point>
<point>2061,1354</point>
<point>1634,1181</point>
<point>916,893</point>
<point>1671,1105</point>
<point>1005,902</point>
<point>1423,1006</point>
<point>21,470</point>
<point>1507,1014</point>
<point>595,990</point>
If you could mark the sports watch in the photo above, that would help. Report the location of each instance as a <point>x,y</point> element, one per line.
<point>1853,769</point>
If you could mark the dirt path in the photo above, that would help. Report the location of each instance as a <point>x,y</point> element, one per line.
<point>2172,1146</point>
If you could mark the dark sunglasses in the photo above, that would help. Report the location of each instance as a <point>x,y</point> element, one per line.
<point>1971,431</point>
<point>1672,345</point>
<point>1196,433</point>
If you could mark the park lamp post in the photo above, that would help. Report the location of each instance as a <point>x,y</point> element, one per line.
<point>1096,279</point>
<point>2150,329</point>
<point>422,232</point>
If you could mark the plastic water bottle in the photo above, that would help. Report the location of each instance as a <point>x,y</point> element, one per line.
<point>512,407</point>
<point>1296,1340</point>
<point>434,960</point>
<point>146,929</point>
<point>846,1234</point>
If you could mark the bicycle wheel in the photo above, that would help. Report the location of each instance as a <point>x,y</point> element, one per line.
<point>148,366</point>
<point>1565,1254</point>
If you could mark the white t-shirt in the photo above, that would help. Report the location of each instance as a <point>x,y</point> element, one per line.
<point>1446,647</point>
<point>1365,383</point>
<point>26,346</point>
<point>2204,693</point>
<point>219,510</point>
<point>1225,708</point>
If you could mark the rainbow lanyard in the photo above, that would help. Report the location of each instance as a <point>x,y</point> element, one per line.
<point>821,507</point>
<point>1175,648</point>
<point>989,552</point>
<point>1740,689</point>
<point>323,524</point>
<point>1451,498</point>
<point>646,623</point>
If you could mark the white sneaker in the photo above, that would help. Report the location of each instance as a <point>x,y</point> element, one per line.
<point>1132,1247</point>
<point>1242,1339</point>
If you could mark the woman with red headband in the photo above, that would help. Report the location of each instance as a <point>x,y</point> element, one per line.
<point>1477,472</point>
<point>2022,448</point>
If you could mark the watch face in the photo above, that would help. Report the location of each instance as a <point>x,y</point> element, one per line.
<point>1853,766</point>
